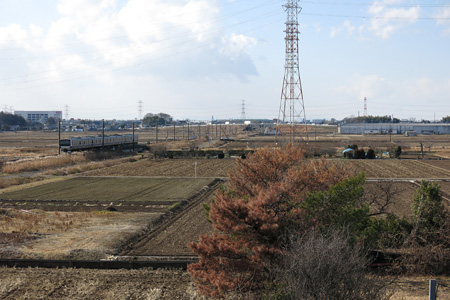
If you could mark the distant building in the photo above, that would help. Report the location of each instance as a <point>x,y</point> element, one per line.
<point>394,128</point>
<point>38,116</point>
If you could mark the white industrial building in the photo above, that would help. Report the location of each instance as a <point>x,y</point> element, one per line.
<point>394,128</point>
<point>38,116</point>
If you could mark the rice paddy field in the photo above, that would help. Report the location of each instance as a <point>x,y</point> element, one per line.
<point>50,214</point>
<point>111,189</point>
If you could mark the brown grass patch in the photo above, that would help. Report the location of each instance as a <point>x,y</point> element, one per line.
<point>13,181</point>
<point>30,165</point>
<point>35,221</point>
<point>88,166</point>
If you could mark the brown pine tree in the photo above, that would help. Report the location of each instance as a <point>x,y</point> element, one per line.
<point>251,216</point>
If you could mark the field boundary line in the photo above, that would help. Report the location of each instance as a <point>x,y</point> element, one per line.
<point>375,179</point>
<point>95,264</point>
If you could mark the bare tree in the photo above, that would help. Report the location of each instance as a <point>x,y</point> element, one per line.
<point>381,196</point>
<point>327,267</point>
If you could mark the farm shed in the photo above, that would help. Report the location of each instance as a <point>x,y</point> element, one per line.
<point>394,128</point>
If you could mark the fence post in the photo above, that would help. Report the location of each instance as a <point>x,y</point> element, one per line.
<point>432,289</point>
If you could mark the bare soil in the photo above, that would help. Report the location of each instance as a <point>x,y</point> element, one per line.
<point>111,189</point>
<point>33,284</point>
<point>174,239</point>
<point>377,168</point>
<point>398,168</point>
<point>30,284</point>
<point>170,168</point>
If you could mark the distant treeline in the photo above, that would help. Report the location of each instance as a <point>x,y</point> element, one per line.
<point>372,119</point>
<point>7,120</point>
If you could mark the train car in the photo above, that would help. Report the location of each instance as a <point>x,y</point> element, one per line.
<point>95,142</point>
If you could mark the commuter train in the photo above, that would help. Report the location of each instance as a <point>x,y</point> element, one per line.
<point>96,142</point>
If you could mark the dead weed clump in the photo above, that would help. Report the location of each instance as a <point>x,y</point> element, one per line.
<point>35,221</point>
<point>44,163</point>
<point>13,181</point>
<point>88,166</point>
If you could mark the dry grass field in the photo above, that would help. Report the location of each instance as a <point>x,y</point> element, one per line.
<point>33,284</point>
<point>67,235</point>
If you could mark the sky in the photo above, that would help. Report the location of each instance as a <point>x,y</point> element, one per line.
<point>200,59</point>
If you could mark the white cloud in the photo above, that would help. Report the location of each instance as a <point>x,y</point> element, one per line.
<point>366,86</point>
<point>236,45</point>
<point>94,38</point>
<point>346,26</point>
<point>387,20</point>
<point>442,18</point>
<point>13,36</point>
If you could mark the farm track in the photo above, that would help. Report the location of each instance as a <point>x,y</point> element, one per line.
<point>172,237</point>
<point>72,206</point>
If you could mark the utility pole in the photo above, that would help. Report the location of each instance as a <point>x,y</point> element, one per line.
<point>59,136</point>
<point>156,132</point>
<point>188,131</point>
<point>292,107</point>
<point>103,132</point>
<point>133,136</point>
<point>174,131</point>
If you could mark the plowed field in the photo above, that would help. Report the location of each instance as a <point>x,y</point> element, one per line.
<point>112,189</point>
<point>170,167</point>
<point>397,168</point>
<point>379,168</point>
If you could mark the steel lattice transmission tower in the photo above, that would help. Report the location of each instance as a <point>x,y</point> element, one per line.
<point>365,106</point>
<point>140,108</point>
<point>292,108</point>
